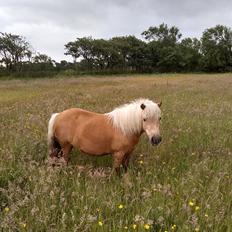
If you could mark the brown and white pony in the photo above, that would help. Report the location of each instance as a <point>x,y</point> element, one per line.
<point>114,133</point>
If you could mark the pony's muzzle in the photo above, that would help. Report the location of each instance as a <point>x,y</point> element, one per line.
<point>155,140</point>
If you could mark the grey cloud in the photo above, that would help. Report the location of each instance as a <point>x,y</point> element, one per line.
<point>49,24</point>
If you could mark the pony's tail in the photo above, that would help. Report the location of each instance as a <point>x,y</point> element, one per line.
<point>51,131</point>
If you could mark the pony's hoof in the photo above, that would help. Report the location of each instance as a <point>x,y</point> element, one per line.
<point>62,162</point>
<point>51,161</point>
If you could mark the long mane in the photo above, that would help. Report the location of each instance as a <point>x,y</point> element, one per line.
<point>128,118</point>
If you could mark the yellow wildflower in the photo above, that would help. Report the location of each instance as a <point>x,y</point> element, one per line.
<point>173,227</point>
<point>100,223</point>
<point>125,227</point>
<point>140,162</point>
<point>23,225</point>
<point>197,208</point>
<point>147,226</point>
<point>120,206</point>
<point>206,215</point>
<point>191,203</point>
<point>197,229</point>
<point>98,210</point>
<point>134,226</point>
<point>7,209</point>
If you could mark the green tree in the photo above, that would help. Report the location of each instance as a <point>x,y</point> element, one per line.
<point>132,52</point>
<point>14,49</point>
<point>164,54</point>
<point>117,54</point>
<point>41,58</point>
<point>190,50</point>
<point>217,49</point>
<point>103,54</point>
<point>81,48</point>
<point>64,65</point>
<point>163,34</point>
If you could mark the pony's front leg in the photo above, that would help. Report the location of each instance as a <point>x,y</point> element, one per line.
<point>118,159</point>
<point>125,162</point>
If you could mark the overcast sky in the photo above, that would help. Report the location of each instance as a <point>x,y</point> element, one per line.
<point>49,24</point>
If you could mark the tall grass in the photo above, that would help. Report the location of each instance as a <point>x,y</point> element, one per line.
<point>184,184</point>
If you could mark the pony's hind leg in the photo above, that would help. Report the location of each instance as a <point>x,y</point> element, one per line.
<point>54,150</point>
<point>66,149</point>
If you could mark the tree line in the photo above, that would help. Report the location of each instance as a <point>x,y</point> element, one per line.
<point>161,49</point>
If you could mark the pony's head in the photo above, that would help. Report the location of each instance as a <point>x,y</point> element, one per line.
<point>142,115</point>
<point>151,116</point>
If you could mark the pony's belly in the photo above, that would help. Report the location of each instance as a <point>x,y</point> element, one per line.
<point>93,147</point>
<point>94,151</point>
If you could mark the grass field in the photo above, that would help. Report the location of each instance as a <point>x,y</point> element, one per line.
<point>184,184</point>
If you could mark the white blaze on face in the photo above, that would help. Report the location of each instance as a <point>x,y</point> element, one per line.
<point>151,116</point>
<point>152,127</point>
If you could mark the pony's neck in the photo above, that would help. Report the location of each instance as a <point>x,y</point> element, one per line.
<point>134,138</point>
<point>127,119</point>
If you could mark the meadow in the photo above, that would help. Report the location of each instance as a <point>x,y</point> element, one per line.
<point>184,184</point>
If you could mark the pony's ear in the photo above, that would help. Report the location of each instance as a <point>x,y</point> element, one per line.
<point>142,106</point>
<point>159,104</point>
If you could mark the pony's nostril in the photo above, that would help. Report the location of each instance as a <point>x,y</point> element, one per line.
<point>155,140</point>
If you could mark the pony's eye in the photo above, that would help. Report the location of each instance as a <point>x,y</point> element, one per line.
<point>144,119</point>
<point>159,118</point>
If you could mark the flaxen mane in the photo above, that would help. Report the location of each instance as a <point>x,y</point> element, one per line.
<point>128,118</point>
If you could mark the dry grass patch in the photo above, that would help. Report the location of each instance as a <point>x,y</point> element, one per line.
<point>182,185</point>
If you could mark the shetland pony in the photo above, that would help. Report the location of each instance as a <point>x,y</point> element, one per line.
<point>116,132</point>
